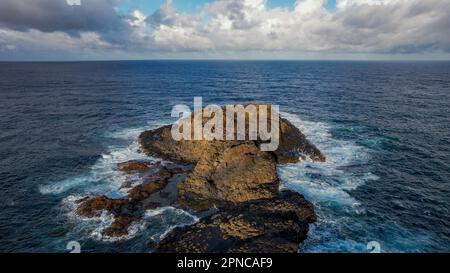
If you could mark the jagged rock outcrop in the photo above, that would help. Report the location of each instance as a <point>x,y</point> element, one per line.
<point>228,171</point>
<point>292,148</point>
<point>130,209</point>
<point>134,166</point>
<point>271,225</point>
<point>238,173</point>
<point>234,184</point>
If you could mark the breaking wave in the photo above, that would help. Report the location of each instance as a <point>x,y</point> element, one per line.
<point>328,184</point>
<point>103,178</point>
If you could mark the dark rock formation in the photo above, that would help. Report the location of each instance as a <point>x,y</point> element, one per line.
<point>92,207</point>
<point>151,184</point>
<point>236,174</point>
<point>294,146</point>
<point>271,225</point>
<point>130,209</point>
<point>120,226</point>
<point>134,166</point>
<point>234,183</point>
<point>228,171</point>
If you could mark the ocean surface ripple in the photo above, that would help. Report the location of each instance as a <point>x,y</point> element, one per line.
<point>384,127</point>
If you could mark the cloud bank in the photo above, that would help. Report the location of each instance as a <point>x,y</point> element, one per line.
<point>97,29</point>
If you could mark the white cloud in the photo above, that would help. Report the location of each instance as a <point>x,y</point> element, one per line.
<point>224,26</point>
<point>356,26</point>
<point>73,2</point>
<point>362,26</point>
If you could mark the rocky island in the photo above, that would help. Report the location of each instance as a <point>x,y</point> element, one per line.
<point>232,186</point>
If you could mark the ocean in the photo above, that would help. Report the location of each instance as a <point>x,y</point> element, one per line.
<point>384,127</point>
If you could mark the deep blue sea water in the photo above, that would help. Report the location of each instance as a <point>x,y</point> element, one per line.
<point>384,127</point>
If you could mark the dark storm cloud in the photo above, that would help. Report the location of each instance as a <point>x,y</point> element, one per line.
<point>56,15</point>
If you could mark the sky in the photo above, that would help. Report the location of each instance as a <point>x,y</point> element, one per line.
<point>58,30</point>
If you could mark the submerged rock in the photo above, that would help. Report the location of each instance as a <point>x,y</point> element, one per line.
<point>278,224</point>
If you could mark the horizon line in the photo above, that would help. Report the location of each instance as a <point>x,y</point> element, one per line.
<point>227,60</point>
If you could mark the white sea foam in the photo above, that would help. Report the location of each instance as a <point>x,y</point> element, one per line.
<point>329,181</point>
<point>327,185</point>
<point>62,186</point>
<point>325,241</point>
<point>84,226</point>
<point>169,218</point>
<point>319,182</point>
<point>103,176</point>
<point>156,222</point>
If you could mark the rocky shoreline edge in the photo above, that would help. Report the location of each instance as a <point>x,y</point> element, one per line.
<point>232,186</point>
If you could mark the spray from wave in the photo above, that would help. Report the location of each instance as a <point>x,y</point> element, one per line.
<point>329,181</point>
<point>327,185</point>
<point>156,223</point>
<point>103,175</point>
<point>103,178</point>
